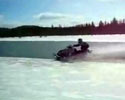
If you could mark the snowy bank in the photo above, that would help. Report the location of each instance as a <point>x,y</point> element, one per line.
<point>90,38</point>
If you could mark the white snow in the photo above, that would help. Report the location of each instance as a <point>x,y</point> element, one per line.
<point>90,38</point>
<point>43,79</point>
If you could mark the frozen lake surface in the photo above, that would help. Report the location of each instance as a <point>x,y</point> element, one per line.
<point>46,79</point>
<point>101,51</point>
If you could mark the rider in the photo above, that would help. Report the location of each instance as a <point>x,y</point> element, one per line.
<point>81,46</point>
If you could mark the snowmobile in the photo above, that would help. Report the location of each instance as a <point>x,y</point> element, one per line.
<point>71,51</point>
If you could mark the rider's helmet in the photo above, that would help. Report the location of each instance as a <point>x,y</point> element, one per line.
<point>80,41</point>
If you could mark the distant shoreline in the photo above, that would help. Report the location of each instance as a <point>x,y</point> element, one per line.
<point>24,31</point>
<point>104,28</point>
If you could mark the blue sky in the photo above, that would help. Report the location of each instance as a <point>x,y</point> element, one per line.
<point>66,12</point>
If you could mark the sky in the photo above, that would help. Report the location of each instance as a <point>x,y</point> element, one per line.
<point>58,12</point>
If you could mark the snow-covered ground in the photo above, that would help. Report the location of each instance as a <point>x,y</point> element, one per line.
<point>89,38</point>
<point>45,79</point>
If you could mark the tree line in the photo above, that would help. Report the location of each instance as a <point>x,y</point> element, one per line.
<point>113,27</point>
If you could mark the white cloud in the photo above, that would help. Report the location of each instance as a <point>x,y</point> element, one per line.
<point>4,22</point>
<point>50,18</point>
<point>1,16</point>
<point>45,19</point>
